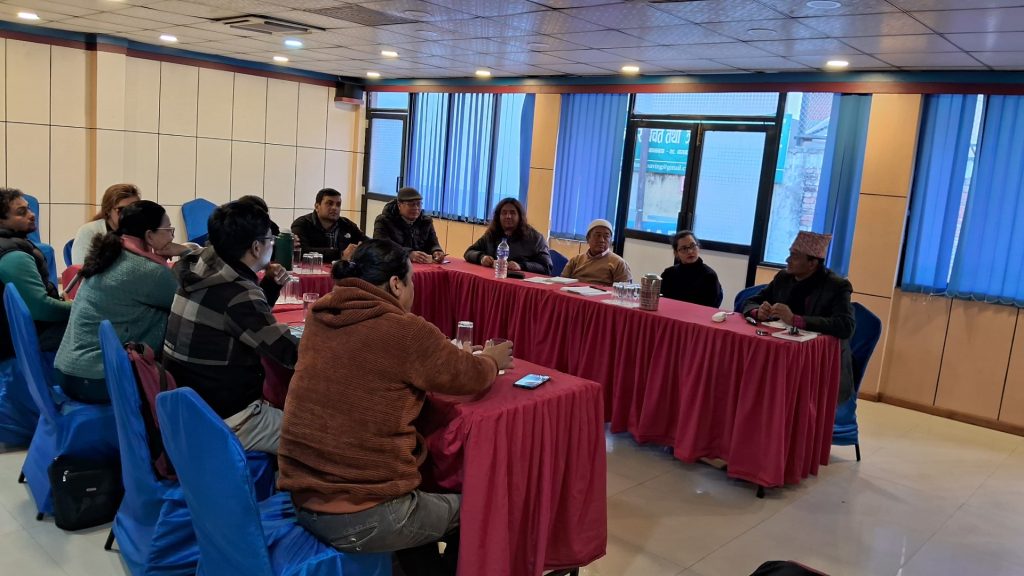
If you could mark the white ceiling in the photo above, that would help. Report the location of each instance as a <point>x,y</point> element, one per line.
<point>453,38</point>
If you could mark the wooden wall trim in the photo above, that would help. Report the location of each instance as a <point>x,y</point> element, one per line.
<point>954,415</point>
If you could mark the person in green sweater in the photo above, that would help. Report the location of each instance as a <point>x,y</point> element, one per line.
<point>23,266</point>
<point>126,281</point>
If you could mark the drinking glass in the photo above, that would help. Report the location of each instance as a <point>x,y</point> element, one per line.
<point>464,335</point>
<point>307,300</point>
<point>290,290</point>
<point>297,259</point>
<point>634,295</point>
<point>307,262</point>
<point>617,292</point>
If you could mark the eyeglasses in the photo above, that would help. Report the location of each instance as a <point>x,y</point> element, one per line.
<point>688,248</point>
<point>168,228</point>
<point>413,203</point>
<point>265,238</point>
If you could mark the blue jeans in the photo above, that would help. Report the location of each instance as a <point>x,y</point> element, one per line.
<point>410,525</point>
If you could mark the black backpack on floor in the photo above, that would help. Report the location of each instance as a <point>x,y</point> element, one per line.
<point>86,493</point>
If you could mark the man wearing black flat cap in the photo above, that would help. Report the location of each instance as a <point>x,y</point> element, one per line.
<point>403,222</point>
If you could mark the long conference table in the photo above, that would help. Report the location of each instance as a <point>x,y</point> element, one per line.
<point>672,376</point>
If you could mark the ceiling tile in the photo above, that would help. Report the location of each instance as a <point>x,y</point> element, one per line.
<point>1001,60</point>
<point>686,65</point>
<point>221,28</point>
<point>192,9</point>
<point>547,22</point>
<point>762,64</point>
<point>684,34</point>
<point>311,19</point>
<point>560,4</point>
<point>807,47</point>
<point>922,60</point>
<point>857,61</point>
<point>720,10</point>
<point>994,42</point>
<point>100,5</point>
<point>307,4</point>
<point>614,15</point>
<point>578,69</point>
<point>490,7</point>
<point>346,53</point>
<point>649,53</point>
<point>160,16</point>
<point>417,10</point>
<point>482,28</point>
<point>374,50</point>
<point>127,22</point>
<point>522,70</point>
<point>953,21</point>
<point>534,58</point>
<point>951,4</point>
<point>54,7</point>
<point>47,18</point>
<point>438,61</point>
<point>540,43</point>
<point>236,7</point>
<point>478,45</point>
<point>85,25</point>
<point>604,39</point>
<point>192,32</point>
<point>889,24</point>
<point>905,44</point>
<point>799,8</point>
<point>426,31</point>
<point>727,50</point>
<point>587,56</point>
<point>363,35</point>
<point>765,30</point>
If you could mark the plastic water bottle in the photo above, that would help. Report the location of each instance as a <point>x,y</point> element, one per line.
<point>501,262</point>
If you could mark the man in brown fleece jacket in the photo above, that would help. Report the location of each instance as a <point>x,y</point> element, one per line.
<point>349,453</point>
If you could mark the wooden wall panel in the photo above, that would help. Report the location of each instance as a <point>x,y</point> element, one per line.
<point>1012,409</point>
<point>913,350</point>
<point>879,307</point>
<point>876,244</point>
<point>891,145</point>
<point>975,359</point>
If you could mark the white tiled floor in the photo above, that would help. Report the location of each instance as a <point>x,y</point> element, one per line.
<point>931,497</point>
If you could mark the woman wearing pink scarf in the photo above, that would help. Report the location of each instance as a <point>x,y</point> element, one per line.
<point>126,281</point>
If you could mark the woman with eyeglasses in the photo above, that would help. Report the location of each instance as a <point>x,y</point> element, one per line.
<point>126,281</point>
<point>115,199</point>
<point>691,280</point>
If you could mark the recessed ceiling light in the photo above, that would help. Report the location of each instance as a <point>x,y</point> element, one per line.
<point>416,14</point>
<point>630,69</point>
<point>373,74</point>
<point>761,32</point>
<point>389,53</point>
<point>168,38</point>
<point>28,15</point>
<point>280,59</point>
<point>837,64</point>
<point>823,4</point>
<point>293,43</point>
<point>483,73</point>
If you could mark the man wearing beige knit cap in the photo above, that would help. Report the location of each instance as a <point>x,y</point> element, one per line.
<point>809,296</point>
<point>598,265</point>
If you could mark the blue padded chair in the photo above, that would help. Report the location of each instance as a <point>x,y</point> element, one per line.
<point>46,249</point>
<point>865,337</point>
<point>67,252</point>
<point>196,214</point>
<point>18,413</point>
<point>153,526</point>
<point>237,535</point>
<point>65,427</point>
<point>742,296</point>
<point>558,262</point>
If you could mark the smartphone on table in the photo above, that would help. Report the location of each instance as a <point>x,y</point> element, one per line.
<point>531,381</point>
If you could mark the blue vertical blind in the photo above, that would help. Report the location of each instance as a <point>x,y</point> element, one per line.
<point>943,154</point>
<point>591,136</point>
<point>988,262</point>
<point>839,189</point>
<point>468,151</point>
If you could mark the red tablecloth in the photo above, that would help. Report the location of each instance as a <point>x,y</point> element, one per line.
<point>530,465</point>
<point>672,377</point>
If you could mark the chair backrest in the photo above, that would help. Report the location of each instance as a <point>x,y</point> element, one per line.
<point>33,205</point>
<point>143,493</point>
<point>26,350</point>
<point>67,252</point>
<point>196,214</point>
<point>742,296</point>
<point>558,262</point>
<point>218,488</point>
<point>865,337</point>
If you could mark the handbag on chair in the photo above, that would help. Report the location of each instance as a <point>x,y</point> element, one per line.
<point>86,493</point>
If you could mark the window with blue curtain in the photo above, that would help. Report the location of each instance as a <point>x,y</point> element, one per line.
<point>969,244</point>
<point>817,180</point>
<point>468,151</point>
<point>588,161</point>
